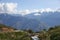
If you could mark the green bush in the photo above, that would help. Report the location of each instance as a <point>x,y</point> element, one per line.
<point>55,36</point>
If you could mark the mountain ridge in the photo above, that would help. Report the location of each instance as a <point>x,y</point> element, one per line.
<point>30,21</point>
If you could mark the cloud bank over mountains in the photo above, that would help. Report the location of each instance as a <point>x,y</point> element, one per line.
<point>11,8</point>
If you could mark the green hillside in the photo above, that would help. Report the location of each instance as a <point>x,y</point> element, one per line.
<point>51,34</point>
<point>21,35</point>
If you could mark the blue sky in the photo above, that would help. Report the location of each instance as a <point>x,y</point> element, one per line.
<point>34,4</point>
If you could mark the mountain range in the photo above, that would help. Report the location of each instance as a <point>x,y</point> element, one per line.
<point>35,21</point>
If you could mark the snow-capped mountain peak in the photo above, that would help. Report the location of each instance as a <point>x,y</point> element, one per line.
<point>36,11</point>
<point>37,14</point>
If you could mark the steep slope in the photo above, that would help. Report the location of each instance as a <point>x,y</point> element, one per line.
<point>49,18</point>
<point>35,21</point>
<point>20,22</point>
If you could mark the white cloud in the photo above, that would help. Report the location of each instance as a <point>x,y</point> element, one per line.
<point>36,10</point>
<point>1,7</point>
<point>25,12</point>
<point>49,10</point>
<point>11,7</point>
<point>8,7</point>
<point>58,9</point>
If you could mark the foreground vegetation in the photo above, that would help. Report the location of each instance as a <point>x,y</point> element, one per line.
<point>14,36</point>
<point>51,34</point>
